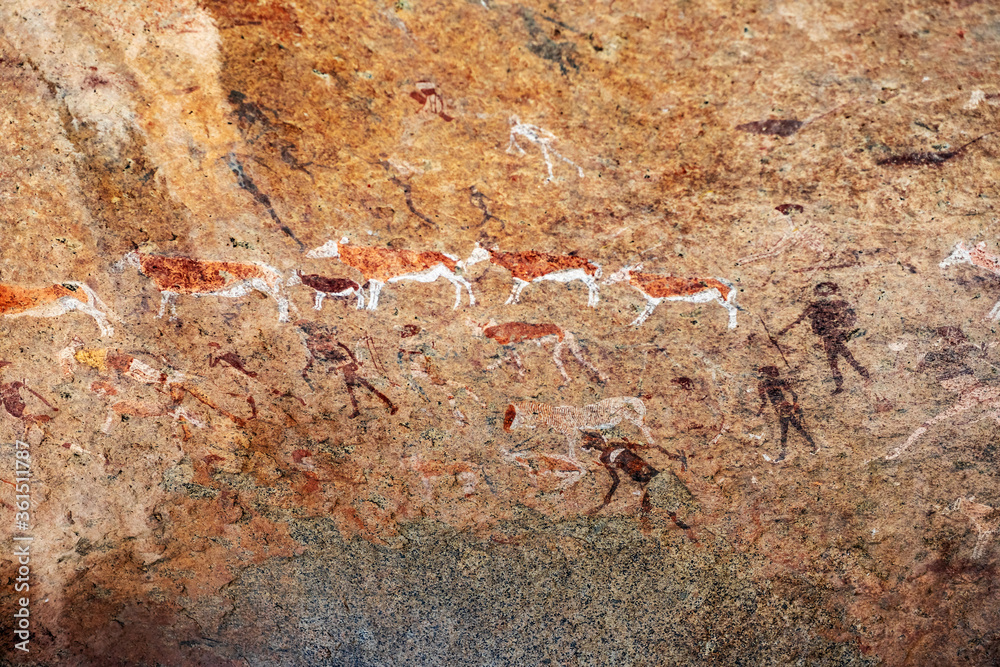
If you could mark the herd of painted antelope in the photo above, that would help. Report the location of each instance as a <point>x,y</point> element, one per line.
<point>174,276</point>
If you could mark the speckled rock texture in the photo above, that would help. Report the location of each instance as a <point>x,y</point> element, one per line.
<point>478,333</point>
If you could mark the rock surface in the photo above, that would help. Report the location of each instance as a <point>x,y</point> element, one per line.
<point>725,226</point>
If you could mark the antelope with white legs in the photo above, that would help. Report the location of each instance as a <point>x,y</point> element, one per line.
<point>977,256</point>
<point>510,334</point>
<point>389,265</point>
<point>183,275</point>
<point>53,301</point>
<point>325,287</point>
<point>658,288</point>
<point>532,267</point>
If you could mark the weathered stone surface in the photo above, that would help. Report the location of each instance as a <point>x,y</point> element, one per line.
<point>222,473</point>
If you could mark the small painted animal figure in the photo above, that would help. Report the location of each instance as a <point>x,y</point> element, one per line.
<point>389,265</point>
<point>183,275</point>
<point>570,420</point>
<point>510,334</point>
<point>10,398</point>
<point>985,520</point>
<point>53,301</point>
<point>977,256</point>
<point>658,288</point>
<point>532,267</point>
<point>328,287</point>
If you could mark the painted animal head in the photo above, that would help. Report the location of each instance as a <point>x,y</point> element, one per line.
<point>130,258</point>
<point>328,249</point>
<point>295,278</point>
<point>479,254</point>
<point>623,274</point>
<point>960,255</point>
<point>521,415</point>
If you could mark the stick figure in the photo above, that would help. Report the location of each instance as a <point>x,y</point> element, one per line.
<point>772,387</point>
<point>832,322</point>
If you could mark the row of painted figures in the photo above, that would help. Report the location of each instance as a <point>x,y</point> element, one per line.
<point>174,276</point>
<point>831,320</point>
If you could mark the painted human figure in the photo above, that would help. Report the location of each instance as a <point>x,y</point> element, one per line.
<point>832,320</point>
<point>323,347</point>
<point>772,388</point>
<point>951,365</point>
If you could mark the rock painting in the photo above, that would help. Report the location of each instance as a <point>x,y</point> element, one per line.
<point>390,265</point>
<point>533,266</point>
<point>511,334</point>
<point>54,301</point>
<point>659,288</point>
<point>183,275</point>
<point>833,321</point>
<point>570,420</point>
<point>980,257</point>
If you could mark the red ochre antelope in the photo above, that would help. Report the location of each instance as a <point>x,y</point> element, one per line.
<point>325,287</point>
<point>53,301</point>
<point>658,288</point>
<point>570,420</point>
<point>512,333</point>
<point>389,265</point>
<point>532,267</point>
<point>183,275</point>
<point>977,256</point>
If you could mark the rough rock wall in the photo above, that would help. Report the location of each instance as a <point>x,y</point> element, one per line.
<point>216,481</point>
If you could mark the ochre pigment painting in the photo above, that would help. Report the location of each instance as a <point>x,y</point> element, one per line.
<point>474,332</point>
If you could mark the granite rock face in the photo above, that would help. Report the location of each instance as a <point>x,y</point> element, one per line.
<point>493,333</point>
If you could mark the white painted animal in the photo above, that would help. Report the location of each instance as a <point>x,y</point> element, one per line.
<point>389,265</point>
<point>183,275</point>
<point>570,420</point>
<point>985,520</point>
<point>659,288</point>
<point>533,266</point>
<point>541,138</point>
<point>53,301</point>
<point>977,256</point>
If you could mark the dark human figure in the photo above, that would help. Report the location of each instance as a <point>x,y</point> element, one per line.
<point>772,387</point>
<point>832,321</point>
<point>323,347</point>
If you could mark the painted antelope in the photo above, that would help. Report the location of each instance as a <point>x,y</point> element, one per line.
<point>977,256</point>
<point>389,265</point>
<point>658,288</point>
<point>325,287</point>
<point>510,334</point>
<point>569,420</point>
<point>183,275</point>
<point>53,301</point>
<point>532,267</point>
